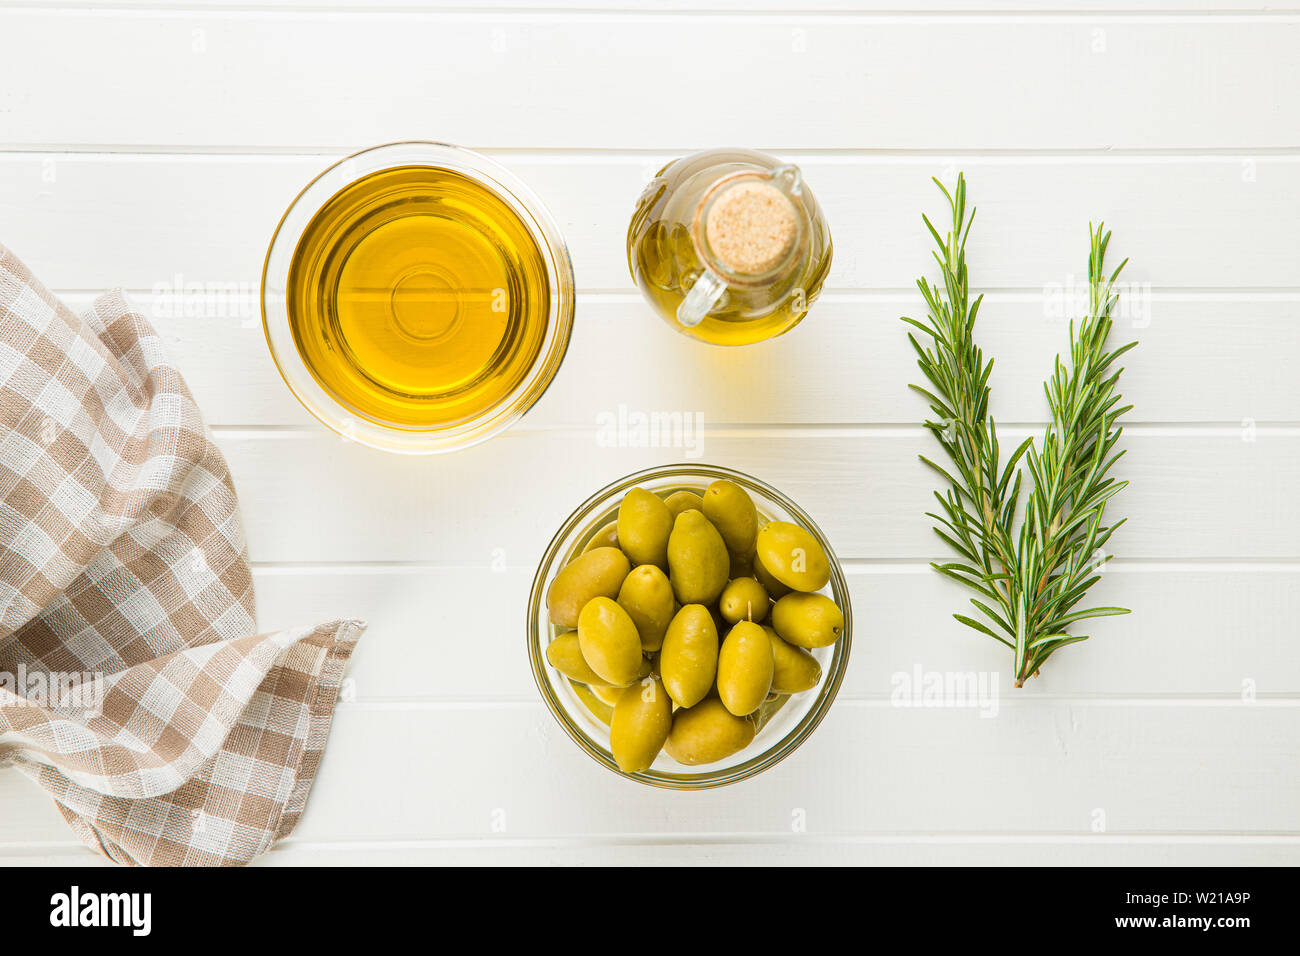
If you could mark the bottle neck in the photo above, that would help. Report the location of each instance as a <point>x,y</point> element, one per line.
<point>750,228</point>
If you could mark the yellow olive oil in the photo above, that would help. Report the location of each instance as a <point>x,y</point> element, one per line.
<point>418,298</point>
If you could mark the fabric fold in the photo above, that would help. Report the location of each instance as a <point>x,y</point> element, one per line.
<point>133,685</point>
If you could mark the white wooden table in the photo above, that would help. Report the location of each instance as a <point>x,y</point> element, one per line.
<point>154,146</point>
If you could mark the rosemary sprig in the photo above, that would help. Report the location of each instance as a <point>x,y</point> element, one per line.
<point>1030,575</point>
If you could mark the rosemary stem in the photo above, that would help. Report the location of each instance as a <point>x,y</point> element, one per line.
<point>1035,575</point>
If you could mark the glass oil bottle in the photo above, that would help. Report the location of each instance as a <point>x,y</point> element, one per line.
<point>729,246</point>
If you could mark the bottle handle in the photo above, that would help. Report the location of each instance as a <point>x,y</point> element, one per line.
<point>704,295</point>
<point>788,179</point>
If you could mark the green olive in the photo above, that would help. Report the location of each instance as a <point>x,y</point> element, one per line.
<point>745,666</point>
<point>647,597</point>
<point>565,655</point>
<point>606,537</point>
<point>794,670</point>
<point>808,620</point>
<point>792,556</point>
<point>609,642</point>
<point>774,588</point>
<point>698,562</point>
<point>688,661</point>
<point>731,510</point>
<point>742,565</point>
<point>598,573</point>
<point>587,694</point>
<point>607,695</point>
<point>743,599</point>
<point>680,501</point>
<point>640,724</point>
<point>707,733</point>
<point>644,523</point>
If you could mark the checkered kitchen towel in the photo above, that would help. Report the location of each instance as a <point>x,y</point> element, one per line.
<point>130,687</point>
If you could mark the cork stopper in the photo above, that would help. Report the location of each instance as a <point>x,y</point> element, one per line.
<point>750,227</point>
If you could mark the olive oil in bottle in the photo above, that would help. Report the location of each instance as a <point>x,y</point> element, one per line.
<point>729,246</point>
<point>418,298</point>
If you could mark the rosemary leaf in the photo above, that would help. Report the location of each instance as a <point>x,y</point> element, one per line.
<point>1033,570</point>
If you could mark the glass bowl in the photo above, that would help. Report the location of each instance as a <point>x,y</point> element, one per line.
<point>784,731</point>
<point>360,426</point>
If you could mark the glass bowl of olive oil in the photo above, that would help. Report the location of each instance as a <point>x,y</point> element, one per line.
<point>417,297</point>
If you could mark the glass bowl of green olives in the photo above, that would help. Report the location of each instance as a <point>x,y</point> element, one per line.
<point>689,626</point>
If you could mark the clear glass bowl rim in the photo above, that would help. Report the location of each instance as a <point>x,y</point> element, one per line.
<point>349,422</point>
<point>687,472</point>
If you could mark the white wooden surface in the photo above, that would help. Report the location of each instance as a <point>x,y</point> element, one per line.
<point>153,145</point>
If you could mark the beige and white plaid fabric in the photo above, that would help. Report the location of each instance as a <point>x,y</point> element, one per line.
<point>130,687</point>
